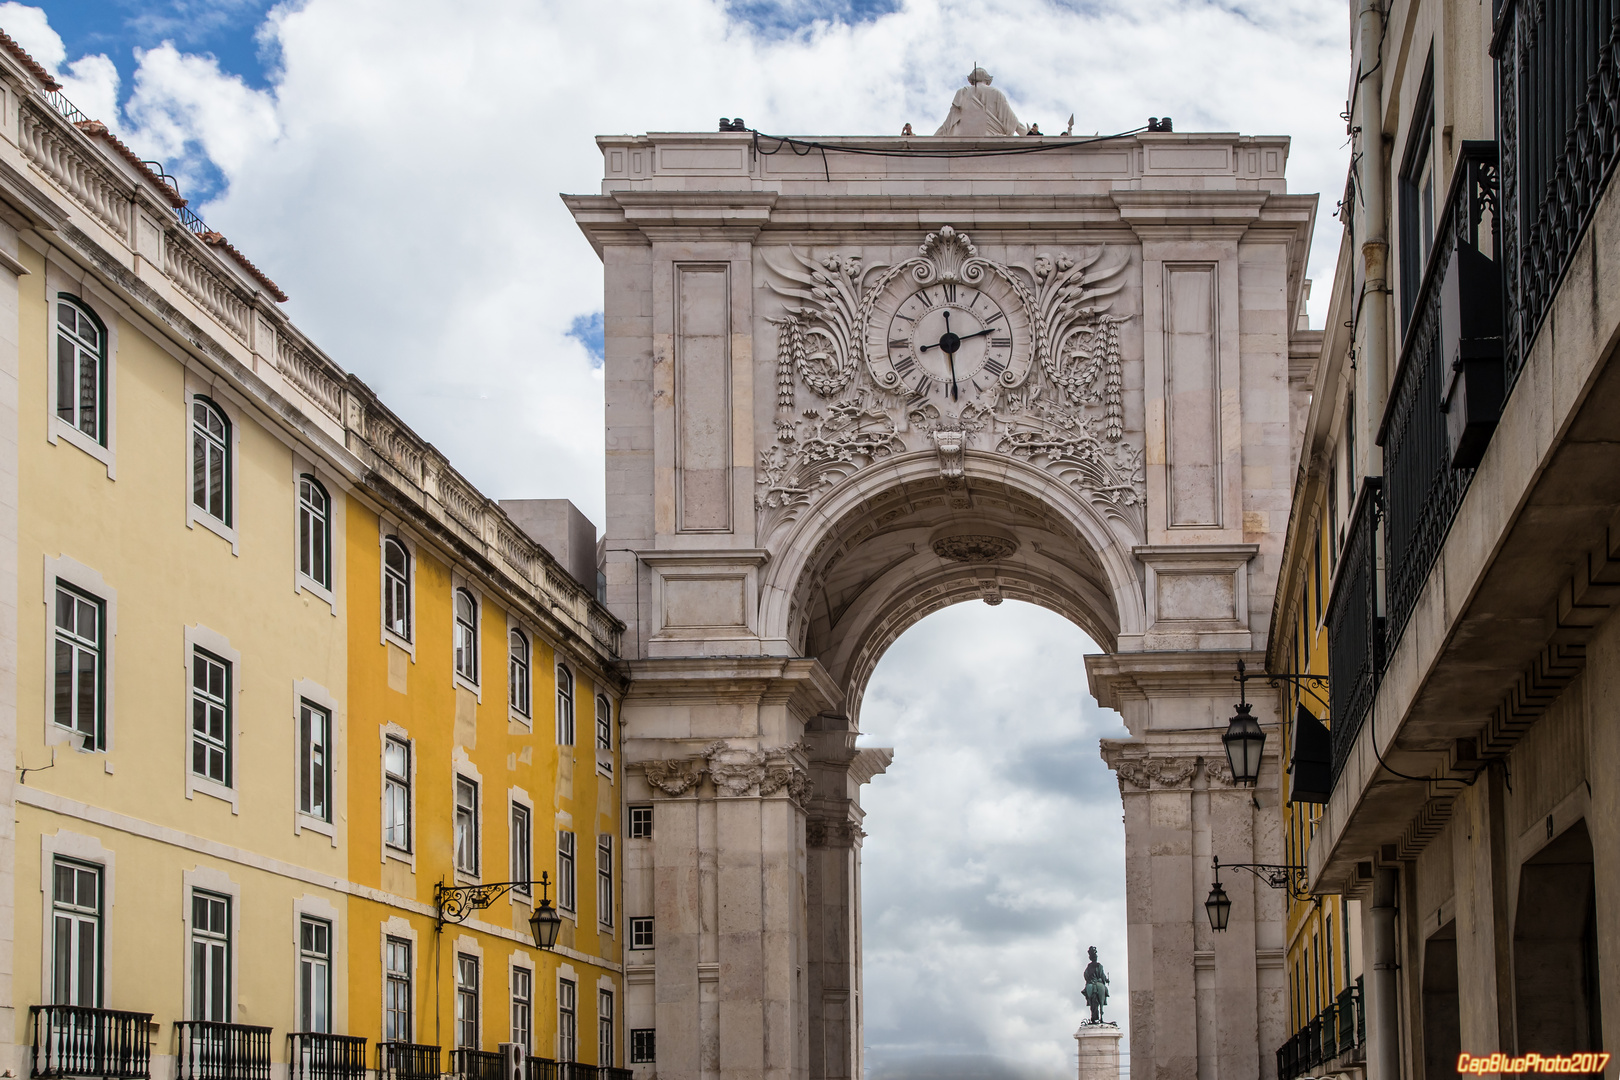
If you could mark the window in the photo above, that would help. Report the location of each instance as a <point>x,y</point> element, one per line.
<point>604,879</point>
<point>314,532</point>
<point>522,850</point>
<point>466,825</point>
<point>210,717</point>
<point>80,682</point>
<point>315,974</point>
<point>565,706</point>
<point>397,588</point>
<point>467,1001</point>
<point>604,1028</point>
<point>76,934</point>
<point>523,1007</point>
<point>1417,196</point>
<point>397,992</point>
<point>397,794</point>
<point>210,460</point>
<point>210,957</point>
<point>314,766</point>
<point>643,1046</point>
<point>565,871</point>
<point>466,636</point>
<point>641,822</point>
<point>81,370</point>
<point>641,932</point>
<point>517,671</point>
<point>567,1029</point>
<point>604,723</point>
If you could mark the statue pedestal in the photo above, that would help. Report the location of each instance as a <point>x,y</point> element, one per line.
<point>1099,1051</point>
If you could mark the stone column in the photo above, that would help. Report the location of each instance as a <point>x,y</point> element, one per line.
<point>1099,1051</point>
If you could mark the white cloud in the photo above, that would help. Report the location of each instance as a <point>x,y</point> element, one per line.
<point>90,82</point>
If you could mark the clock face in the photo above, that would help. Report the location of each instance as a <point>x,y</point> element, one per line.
<point>950,339</point>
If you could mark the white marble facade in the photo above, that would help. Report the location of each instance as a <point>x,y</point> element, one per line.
<point>793,480</point>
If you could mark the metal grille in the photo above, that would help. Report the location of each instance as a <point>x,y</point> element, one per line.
<point>475,1064</point>
<point>1355,630</point>
<point>1558,106</point>
<point>70,1040</point>
<point>213,1051</point>
<point>314,1055</point>
<point>407,1061</point>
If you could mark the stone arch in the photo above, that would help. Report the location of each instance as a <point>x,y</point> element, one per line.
<point>858,569</point>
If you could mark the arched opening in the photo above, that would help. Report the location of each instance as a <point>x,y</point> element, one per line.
<point>1555,953</point>
<point>995,852</point>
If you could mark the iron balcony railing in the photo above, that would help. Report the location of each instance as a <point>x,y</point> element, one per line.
<point>1336,1034</point>
<point>71,1040</point>
<point>1558,118</point>
<point>407,1061</point>
<point>315,1055</point>
<point>547,1069</point>
<point>1423,481</point>
<point>1354,624</point>
<point>209,1051</point>
<point>468,1064</point>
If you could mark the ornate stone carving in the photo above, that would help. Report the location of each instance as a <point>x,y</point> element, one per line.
<point>832,834</point>
<point>990,591</point>
<point>1149,771</point>
<point>740,771</point>
<point>1219,771</point>
<point>1062,413</point>
<point>675,776</point>
<point>974,547</point>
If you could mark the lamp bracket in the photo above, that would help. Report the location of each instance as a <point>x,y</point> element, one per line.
<point>1302,680</point>
<point>456,902</point>
<point>1276,875</point>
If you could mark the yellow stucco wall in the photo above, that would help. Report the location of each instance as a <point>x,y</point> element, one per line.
<point>132,799</point>
<point>452,730</point>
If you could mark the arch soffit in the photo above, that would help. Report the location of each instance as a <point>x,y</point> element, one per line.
<point>793,555</point>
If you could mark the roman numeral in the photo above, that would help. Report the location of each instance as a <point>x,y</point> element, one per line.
<point>1001,343</point>
<point>992,318</point>
<point>905,364</point>
<point>994,366</point>
<point>908,318</point>
<point>950,292</point>
<point>922,385</point>
<point>899,343</point>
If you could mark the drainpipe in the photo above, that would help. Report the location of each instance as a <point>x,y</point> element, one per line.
<point>1384,1051</point>
<point>1372,368</point>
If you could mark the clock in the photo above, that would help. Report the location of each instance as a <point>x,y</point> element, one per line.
<point>949,338</point>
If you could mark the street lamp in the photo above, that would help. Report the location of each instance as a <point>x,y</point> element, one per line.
<point>456,902</point>
<point>1244,740</point>
<point>1219,905</point>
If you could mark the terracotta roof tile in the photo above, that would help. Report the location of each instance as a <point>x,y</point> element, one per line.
<point>34,67</point>
<point>96,129</point>
<point>214,239</point>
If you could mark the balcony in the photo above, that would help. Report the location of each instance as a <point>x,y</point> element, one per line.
<point>1355,628</point>
<point>475,1064</point>
<point>313,1055</point>
<point>546,1069</point>
<point>70,1040</point>
<point>210,1051</point>
<point>1335,1037</point>
<point>1558,116</point>
<point>407,1061</point>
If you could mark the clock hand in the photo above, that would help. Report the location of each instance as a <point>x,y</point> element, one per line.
<point>959,337</point>
<point>950,343</point>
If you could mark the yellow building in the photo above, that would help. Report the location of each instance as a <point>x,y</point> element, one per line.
<point>227,702</point>
<point>1323,932</point>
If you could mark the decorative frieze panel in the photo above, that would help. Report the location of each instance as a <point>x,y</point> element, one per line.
<point>735,771</point>
<point>870,365</point>
<point>832,834</point>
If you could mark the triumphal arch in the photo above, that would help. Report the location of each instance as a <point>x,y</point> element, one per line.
<point>850,381</point>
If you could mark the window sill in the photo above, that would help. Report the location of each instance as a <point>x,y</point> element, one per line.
<point>62,430</point>
<point>397,855</point>
<point>196,516</point>
<point>405,643</point>
<point>515,717</point>
<point>201,785</point>
<point>303,822</point>
<point>308,584</point>
<point>467,684</point>
<point>526,899</point>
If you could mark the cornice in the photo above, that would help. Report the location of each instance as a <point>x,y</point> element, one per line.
<point>1116,677</point>
<point>753,680</point>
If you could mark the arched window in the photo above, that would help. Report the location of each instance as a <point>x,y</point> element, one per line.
<point>210,459</point>
<point>518,671</point>
<point>604,722</point>
<point>81,369</point>
<point>314,532</point>
<point>466,636</point>
<point>396,588</point>
<point>565,706</point>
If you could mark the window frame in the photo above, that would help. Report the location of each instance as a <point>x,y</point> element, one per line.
<point>567,1020</point>
<point>311,959</point>
<point>77,577</point>
<point>641,814</point>
<point>642,933</point>
<point>567,868</point>
<point>206,938</point>
<point>465,815</point>
<point>522,1002</point>
<point>643,1046</point>
<point>225,443</point>
<point>322,582</point>
<point>395,978</point>
<point>405,782</point>
<point>565,705</point>
<point>102,447</point>
<point>225,746</point>
<point>464,654</point>
<point>78,916</point>
<point>1419,160</point>
<point>467,1001</point>
<point>605,1017</point>
<point>520,845</point>
<point>96,737</point>
<point>306,766</point>
<point>604,880</point>
<point>406,590</point>
<point>520,673</point>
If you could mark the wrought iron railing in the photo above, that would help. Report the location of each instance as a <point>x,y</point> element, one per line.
<point>1355,627</point>
<point>407,1061</point>
<point>1422,488</point>
<point>315,1055</point>
<point>70,1040</point>
<point>1558,117</point>
<point>209,1051</point>
<point>466,1064</point>
<point>547,1069</point>
<point>1337,1033</point>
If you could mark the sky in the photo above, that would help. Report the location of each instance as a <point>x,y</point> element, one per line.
<point>395,166</point>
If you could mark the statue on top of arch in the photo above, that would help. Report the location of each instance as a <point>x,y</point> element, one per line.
<point>842,405</point>
<point>980,109</point>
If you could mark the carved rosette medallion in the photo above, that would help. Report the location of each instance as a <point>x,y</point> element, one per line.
<point>974,547</point>
<point>1033,371</point>
<point>674,777</point>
